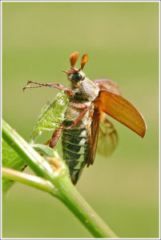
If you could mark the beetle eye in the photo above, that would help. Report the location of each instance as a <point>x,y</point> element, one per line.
<point>78,76</point>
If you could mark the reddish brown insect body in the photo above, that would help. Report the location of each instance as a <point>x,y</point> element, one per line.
<point>85,116</point>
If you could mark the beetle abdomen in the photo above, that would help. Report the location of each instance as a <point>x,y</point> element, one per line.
<point>75,149</point>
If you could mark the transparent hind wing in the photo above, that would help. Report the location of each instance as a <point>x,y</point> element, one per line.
<point>107,139</point>
<point>107,84</point>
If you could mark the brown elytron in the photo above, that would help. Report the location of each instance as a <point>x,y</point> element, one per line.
<point>89,102</point>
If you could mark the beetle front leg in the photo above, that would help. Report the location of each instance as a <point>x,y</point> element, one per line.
<point>68,91</point>
<point>76,121</point>
<point>55,138</point>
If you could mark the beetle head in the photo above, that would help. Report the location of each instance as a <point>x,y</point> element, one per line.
<point>75,75</point>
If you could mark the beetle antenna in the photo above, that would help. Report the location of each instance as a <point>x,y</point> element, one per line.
<point>73,58</point>
<point>65,72</point>
<point>83,61</point>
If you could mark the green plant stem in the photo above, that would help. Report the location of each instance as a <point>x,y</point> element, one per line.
<point>33,181</point>
<point>90,219</point>
<point>70,197</point>
<point>66,192</point>
<point>36,162</point>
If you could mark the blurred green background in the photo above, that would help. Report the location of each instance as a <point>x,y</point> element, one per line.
<point>121,40</point>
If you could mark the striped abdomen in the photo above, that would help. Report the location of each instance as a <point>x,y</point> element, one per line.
<point>75,142</point>
<point>75,150</point>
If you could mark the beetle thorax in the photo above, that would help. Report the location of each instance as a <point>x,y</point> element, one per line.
<point>84,90</point>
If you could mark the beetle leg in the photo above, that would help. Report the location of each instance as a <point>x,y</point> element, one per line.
<point>76,121</point>
<point>78,105</point>
<point>55,137</point>
<point>69,92</point>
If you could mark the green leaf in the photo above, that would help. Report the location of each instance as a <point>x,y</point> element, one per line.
<point>45,150</point>
<point>56,181</point>
<point>51,116</point>
<point>10,159</point>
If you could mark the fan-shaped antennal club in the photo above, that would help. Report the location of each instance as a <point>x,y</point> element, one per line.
<point>83,61</point>
<point>73,58</point>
